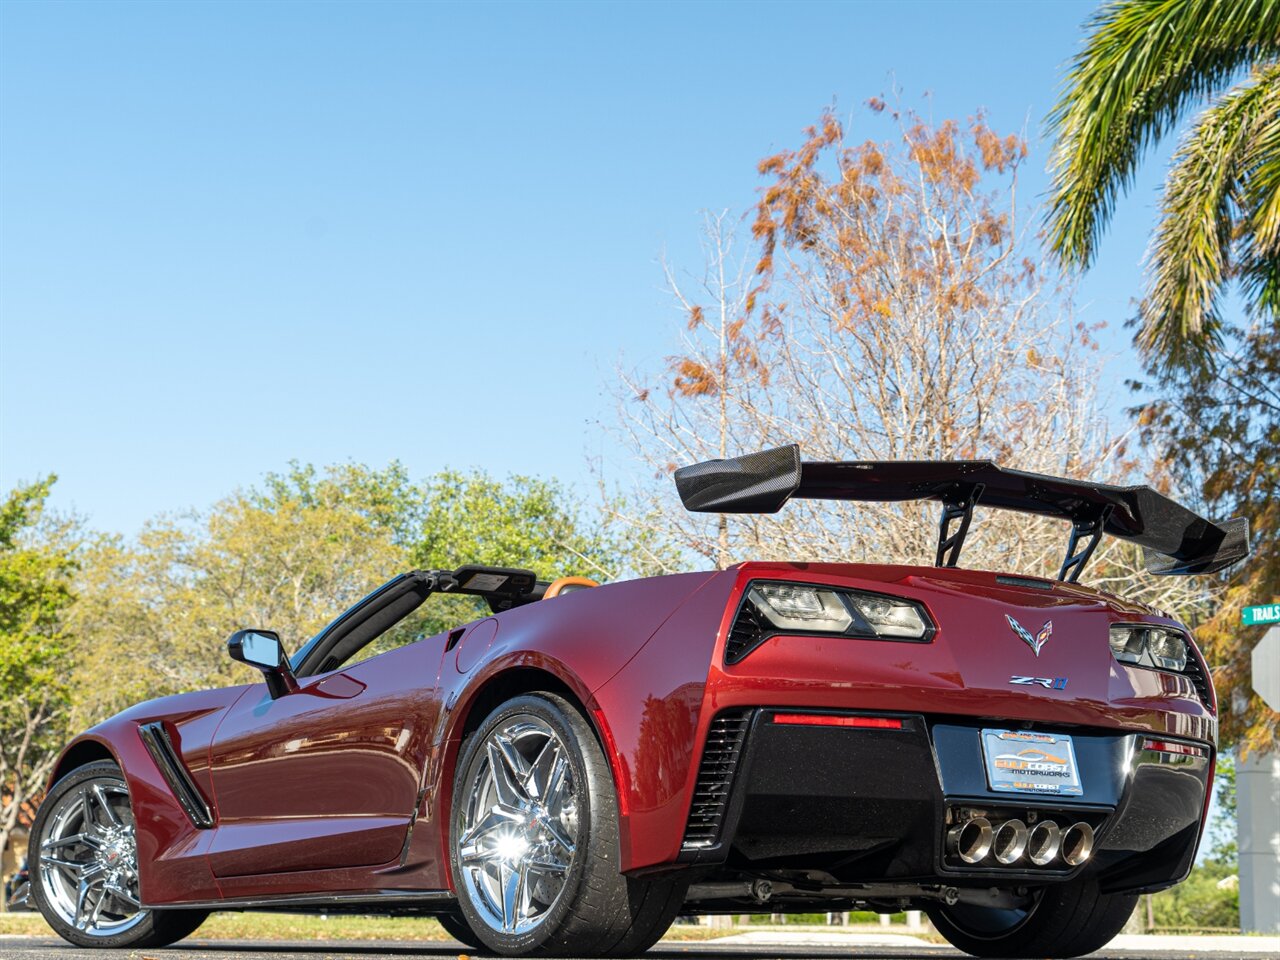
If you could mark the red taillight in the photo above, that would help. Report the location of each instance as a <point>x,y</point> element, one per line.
<point>827,720</point>
<point>1172,746</point>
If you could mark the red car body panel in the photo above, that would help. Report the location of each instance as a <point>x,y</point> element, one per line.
<point>345,784</point>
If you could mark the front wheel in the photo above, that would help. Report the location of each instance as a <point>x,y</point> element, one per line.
<point>455,925</point>
<point>533,840</point>
<point>84,866</point>
<point>1064,920</point>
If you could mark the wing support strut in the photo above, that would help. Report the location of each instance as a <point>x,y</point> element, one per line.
<point>957,505</point>
<point>1087,527</point>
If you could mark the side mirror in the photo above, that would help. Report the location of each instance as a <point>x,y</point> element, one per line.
<point>263,649</point>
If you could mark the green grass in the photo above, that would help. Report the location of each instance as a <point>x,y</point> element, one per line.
<point>285,926</point>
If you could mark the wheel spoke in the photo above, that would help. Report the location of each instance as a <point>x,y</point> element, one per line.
<point>88,840</point>
<point>496,819</point>
<point>558,787</point>
<point>546,864</point>
<point>505,783</point>
<point>518,765</point>
<point>123,895</point>
<point>97,907</point>
<point>82,916</point>
<point>538,782</point>
<point>74,867</point>
<point>513,884</point>
<point>91,823</point>
<point>556,831</point>
<point>104,804</point>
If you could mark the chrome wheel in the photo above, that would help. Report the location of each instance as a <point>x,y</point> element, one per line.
<point>518,825</point>
<point>88,859</point>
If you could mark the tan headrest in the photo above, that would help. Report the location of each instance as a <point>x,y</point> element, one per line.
<point>568,585</point>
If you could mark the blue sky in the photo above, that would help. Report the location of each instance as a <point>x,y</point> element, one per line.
<point>236,234</point>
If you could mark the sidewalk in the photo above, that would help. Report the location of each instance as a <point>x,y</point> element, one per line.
<point>1125,943</point>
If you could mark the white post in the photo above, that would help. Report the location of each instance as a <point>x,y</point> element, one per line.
<point>1258,839</point>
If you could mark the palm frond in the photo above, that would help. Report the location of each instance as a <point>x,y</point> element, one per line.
<point>1262,188</point>
<point>1142,65</point>
<point>1204,215</point>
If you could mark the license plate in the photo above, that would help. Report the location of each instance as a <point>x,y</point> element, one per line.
<point>1022,762</point>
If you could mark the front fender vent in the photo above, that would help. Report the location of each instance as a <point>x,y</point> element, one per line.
<point>720,754</point>
<point>167,760</point>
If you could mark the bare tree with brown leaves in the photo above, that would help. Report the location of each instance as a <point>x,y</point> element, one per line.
<point>895,307</point>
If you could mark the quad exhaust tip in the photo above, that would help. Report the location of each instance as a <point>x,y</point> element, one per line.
<point>1077,844</point>
<point>1044,843</point>
<point>971,841</point>
<point>1010,842</point>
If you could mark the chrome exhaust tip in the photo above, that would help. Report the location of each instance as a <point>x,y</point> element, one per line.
<point>1043,843</point>
<point>971,840</point>
<point>1077,844</point>
<point>1010,842</point>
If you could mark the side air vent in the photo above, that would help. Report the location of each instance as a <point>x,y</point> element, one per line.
<point>749,630</point>
<point>1195,673</point>
<point>156,739</point>
<point>725,738</point>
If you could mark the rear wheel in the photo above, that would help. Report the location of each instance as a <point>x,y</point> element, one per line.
<point>533,840</point>
<point>84,866</point>
<point>1064,920</point>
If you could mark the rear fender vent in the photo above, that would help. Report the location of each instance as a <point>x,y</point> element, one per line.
<point>749,630</point>
<point>720,755</point>
<point>1194,672</point>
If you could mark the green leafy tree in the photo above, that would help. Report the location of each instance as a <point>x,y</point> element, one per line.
<point>36,566</point>
<point>1222,830</point>
<point>521,522</point>
<point>1208,899</point>
<point>1144,66</point>
<point>286,555</point>
<point>291,552</point>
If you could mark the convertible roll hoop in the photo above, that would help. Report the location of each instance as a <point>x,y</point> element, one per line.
<point>1175,540</point>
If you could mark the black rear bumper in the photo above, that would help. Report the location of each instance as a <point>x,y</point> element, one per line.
<point>865,804</point>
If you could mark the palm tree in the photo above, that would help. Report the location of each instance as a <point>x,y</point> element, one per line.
<point>1144,66</point>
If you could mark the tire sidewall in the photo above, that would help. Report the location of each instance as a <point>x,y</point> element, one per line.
<point>584,757</point>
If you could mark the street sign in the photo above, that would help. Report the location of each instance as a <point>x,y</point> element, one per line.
<point>1267,613</point>
<point>1266,668</point>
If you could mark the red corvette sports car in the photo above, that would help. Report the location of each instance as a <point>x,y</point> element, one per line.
<point>1018,756</point>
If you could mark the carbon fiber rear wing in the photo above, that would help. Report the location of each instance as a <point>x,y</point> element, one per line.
<point>1174,539</point>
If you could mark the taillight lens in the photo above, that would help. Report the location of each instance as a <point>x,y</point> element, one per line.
<point>890,617</point>
<point>777,607</point>
<point>1156,647</point>
<point>793,607</point>
<point>1128,644</point>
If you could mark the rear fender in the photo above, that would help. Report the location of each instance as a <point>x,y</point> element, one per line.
<point>580,642</point>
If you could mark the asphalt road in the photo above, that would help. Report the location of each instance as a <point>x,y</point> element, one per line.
<point>33,948</point>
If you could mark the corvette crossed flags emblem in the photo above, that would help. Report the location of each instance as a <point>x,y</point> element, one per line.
<point>1036,642</point>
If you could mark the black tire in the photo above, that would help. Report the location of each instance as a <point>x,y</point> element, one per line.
<point>455,925</point>
<point>1066,920</point>
<point>154,928</point>
<point>598,911</point>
